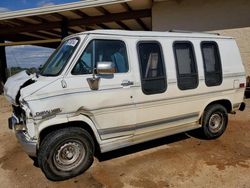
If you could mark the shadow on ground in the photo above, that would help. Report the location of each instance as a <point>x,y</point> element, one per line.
<point>144,146</point>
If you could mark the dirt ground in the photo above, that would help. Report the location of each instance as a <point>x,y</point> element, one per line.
<point>177,161</point>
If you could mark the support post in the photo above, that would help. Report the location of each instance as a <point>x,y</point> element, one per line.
<point>3,67</point>
<point>64,28</point>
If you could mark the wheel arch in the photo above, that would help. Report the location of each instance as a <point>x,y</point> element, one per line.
<point>224,102</point>
<point>80,121</point>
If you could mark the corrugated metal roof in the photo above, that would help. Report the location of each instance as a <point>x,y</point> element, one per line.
<point>58,8</point>
<point>53,22</point>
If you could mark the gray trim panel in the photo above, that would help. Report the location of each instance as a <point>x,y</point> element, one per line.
<point>146,125</point>
<point>234,75</point>
<point>158,100</point>
<point>236,105</point>
<point>165,99</point>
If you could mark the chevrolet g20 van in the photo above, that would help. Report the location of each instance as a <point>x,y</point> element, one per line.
<point>107,89</point>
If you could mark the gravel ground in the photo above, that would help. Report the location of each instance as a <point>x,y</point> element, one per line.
<point>176,161</point>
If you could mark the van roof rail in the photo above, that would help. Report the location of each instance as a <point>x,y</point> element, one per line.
<point>186,31</point>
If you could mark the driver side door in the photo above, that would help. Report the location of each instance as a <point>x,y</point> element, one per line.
<point>111,107</point>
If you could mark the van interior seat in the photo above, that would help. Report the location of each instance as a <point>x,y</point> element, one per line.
<point>152,66</point>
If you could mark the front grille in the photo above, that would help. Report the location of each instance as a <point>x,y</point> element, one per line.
<point>17,110</point>
<point>20,114</point>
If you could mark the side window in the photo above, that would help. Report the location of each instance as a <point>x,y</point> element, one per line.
<point>152,69</point>
<point>212,63</point>
<point>102,50</point>
<point>84,64</point>
<point>187,74</point>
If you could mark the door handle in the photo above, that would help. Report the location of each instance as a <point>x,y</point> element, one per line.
<point>127,83</point>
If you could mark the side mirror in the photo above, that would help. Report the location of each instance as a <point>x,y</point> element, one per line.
<point>105,67</point>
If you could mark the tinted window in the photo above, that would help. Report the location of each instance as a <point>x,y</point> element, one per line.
<point>187,75</point>
<point>102,50</point>
<point>212,63</point>
<point>152,68</point>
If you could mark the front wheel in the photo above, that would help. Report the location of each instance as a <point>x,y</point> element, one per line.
<point>214,121</point>
<point>66,153</point>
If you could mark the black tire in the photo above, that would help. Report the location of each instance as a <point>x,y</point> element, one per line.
<point>35,161</point>
<point>214,121</point>
<point>59,148</point>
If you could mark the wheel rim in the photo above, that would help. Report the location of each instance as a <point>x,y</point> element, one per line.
<point>69,155</point>
<point>216,122</point>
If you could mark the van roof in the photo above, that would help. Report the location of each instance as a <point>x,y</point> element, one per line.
<point>173,33</point>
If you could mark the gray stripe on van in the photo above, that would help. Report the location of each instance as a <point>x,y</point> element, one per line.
<point>236,105</point>
<point>201,78</point>
<point>233,75</point>
<point>132,105</point>
<point>147,124</point>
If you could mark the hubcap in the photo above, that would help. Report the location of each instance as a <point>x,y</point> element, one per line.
<point>216,122</point>
<point>69,155</point>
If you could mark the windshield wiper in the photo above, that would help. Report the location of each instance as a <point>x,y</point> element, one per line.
<point>37,74</point>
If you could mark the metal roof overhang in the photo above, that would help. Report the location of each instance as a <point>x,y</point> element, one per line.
<point>46,26</point>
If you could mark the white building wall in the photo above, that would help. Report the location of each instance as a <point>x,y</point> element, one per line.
<point>228,17</point>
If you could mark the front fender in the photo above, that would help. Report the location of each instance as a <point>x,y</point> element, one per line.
<point>88,121</point>
<point>57,121</point>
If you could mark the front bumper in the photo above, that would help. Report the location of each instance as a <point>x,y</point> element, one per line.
<point>28,144</point>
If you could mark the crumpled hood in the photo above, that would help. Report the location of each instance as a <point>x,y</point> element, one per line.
<point>14,83</point>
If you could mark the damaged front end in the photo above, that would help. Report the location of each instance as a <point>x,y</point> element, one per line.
<point>18,121</point>
<point>15,83</point>
<point>28,144</point>
<point>12,90</point>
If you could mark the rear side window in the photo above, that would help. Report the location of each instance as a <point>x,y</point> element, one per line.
<point>212,63</point>
<point>187,74</point>
<point>152,69</point>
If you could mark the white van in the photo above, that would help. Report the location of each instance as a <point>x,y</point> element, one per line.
<point>107,89</point>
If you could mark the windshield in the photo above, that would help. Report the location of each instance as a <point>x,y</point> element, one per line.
<point>59,58</point>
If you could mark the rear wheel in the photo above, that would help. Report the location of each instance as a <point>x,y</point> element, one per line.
<point>66,153</point>
<point>214,121</point>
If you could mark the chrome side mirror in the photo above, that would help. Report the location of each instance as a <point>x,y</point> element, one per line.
<point>102,68</point>
<point>93,83</point>
<point>105,67</point>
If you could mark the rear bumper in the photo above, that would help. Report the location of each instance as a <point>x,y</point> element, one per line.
<point>247,92</point>
<point>29,145</point>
